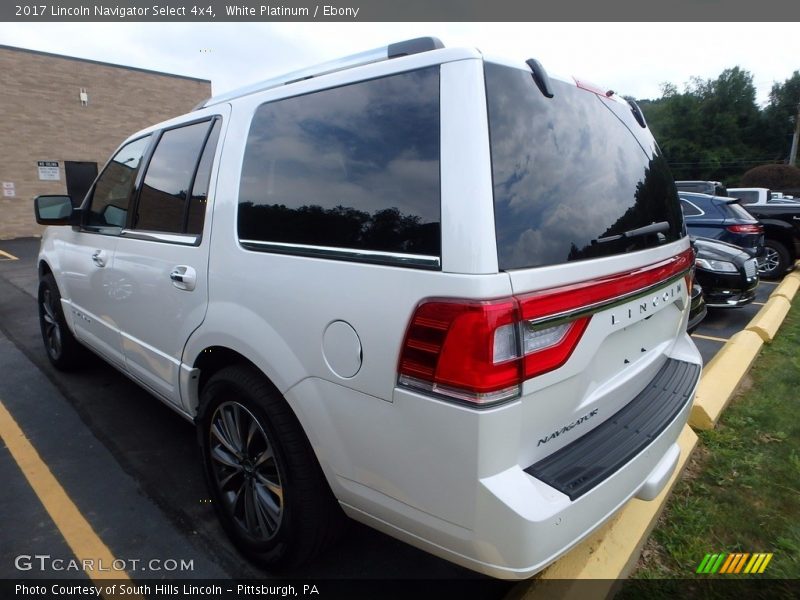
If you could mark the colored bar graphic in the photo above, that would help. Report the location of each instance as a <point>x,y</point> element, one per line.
<point>737,562</point>
<point>765,563</point>
<point>718,564</point>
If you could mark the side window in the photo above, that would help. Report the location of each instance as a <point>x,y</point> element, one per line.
<point>196,211</point>
<point>353,168</point>
<point>165,192</point>
<point>108,205</point>
<point>689,209</point>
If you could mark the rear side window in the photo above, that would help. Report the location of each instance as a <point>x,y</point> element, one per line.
<point>689,209</point>
<point>164,199</point>
<point>571,176</point>
<point>350,172</point>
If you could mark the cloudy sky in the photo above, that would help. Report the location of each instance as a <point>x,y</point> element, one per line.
<point>630,58</point>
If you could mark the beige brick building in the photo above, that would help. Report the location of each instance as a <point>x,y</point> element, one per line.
<point>73,112</point>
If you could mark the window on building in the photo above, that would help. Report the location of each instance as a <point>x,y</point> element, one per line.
<point>354,167</point>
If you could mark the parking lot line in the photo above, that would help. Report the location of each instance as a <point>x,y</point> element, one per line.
<point>709,337</point>
<point>758,303</point>
<point>770,282</point>
<point>6,256</point>
<point>77,532</point>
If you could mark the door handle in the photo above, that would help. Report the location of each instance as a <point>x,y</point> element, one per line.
<point>99,258</point>
<point>183,277</point>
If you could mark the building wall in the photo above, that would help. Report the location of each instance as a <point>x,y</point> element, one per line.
<point>43,119</point>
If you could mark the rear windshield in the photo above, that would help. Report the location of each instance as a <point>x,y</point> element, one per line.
<point>747,197</point>
<point>572,174</point>
<point>734,210</point>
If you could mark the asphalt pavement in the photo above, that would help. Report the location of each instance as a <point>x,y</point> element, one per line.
<point>131,467</point>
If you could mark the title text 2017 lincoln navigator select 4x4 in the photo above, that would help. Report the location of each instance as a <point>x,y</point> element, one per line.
<point>443,292</point>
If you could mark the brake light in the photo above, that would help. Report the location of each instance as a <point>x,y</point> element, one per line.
<point>745,228</point>
<point>481,352</point>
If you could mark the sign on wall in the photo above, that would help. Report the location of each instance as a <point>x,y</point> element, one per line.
<point>8,189</point>
<point>48,170</point>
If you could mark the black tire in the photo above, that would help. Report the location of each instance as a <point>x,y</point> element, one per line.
<point>774,262</point>
<point>63,350</point>
<point>265,482</point>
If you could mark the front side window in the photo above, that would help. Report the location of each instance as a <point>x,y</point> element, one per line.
<point>110,199</point>
<point>354,167</point>
<point>165,192</point>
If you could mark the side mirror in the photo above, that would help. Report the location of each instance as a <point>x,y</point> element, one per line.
<point>53,210</point>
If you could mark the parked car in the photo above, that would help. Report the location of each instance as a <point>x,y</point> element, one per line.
<point>754,195</point>
<point>728,275</point>
<point>712,188</point>
<point>760,196</point>
<point>722,218</point>
<point>781,223</point>
<point>422,301</point>
<point>698,310</point>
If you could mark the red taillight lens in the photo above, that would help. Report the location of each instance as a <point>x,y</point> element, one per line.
<point>450,349</point>
<point>745,228</point>
<point>481,351</point>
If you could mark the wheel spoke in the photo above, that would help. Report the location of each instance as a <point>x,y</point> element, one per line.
<point>251,522</point>
<point>267,507</point>
<point>274,488</point>
<point>223,455</point>
<point>220,431</point>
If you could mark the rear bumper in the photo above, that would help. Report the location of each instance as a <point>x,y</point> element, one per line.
<point>460,492</point>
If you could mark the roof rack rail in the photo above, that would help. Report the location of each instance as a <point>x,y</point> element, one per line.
<point>405,48</point>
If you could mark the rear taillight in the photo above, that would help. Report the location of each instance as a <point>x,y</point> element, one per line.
<point>481,352</point>
<point>754,228</point>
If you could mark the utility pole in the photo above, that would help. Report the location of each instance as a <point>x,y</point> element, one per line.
<point>793,153</point>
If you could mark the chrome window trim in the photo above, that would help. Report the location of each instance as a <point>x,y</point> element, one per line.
<point>184,239</point>
<point>353,254</point>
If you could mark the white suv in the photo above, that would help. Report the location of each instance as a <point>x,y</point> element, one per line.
<point>444,292</point>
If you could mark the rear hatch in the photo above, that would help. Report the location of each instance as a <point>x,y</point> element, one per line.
<point>742,229</point>
<point>590,232</point>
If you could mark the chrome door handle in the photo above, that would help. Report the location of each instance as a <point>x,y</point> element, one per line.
<point>99,258</point>
<point>183,277</point>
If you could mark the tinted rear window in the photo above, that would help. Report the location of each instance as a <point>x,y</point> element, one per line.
<point>569,171</point>
<point>747,197</point>
<point>735,211</point>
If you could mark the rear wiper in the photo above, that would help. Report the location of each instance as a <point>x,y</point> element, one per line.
<point>659,227</point>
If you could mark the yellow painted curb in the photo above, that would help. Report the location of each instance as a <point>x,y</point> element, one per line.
<point>721,377</point>
<point>788,287</point>
<point>611,552</point>
<point>768,320</point>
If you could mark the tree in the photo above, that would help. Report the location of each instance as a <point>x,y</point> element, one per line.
<point>713,129</point>
<point>775,177</point>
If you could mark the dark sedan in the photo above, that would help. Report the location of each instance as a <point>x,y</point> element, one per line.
<point>727,274</point>
<point>722,218</point>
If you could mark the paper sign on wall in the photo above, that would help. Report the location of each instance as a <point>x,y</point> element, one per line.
<point>48,170</point>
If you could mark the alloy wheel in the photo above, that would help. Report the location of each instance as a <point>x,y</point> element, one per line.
<point>769,261</point>
<point>245,470</point>
<point>52,330</point>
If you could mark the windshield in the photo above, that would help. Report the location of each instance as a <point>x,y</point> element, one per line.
<point>571,170</point>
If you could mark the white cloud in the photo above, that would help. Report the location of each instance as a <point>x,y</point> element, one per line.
<point>630,58</point>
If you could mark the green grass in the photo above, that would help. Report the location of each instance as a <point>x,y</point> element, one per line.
<point>741,492</point>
